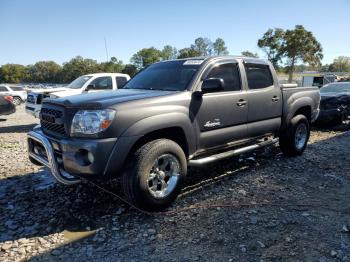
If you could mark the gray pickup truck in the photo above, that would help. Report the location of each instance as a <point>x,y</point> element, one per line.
<point>171,115</point>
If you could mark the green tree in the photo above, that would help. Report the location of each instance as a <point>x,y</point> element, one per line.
<point>219,47</point>
<point>325,68</point>
<point>271,43</point>
<point>203,46</point>
<point>187,52</point>
<point>44,72</point>
<point>168,52</point>
<point>250,54</point>
<point>113,66</point>
<point>300,45</point>
<point>146,57</point>
<point>13,73</point>
<point>340,64</point>
<point>78,66</point>
<point>130,69</point>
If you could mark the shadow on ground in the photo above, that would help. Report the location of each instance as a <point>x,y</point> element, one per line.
<point>17,129</point>
<point>33,205</point>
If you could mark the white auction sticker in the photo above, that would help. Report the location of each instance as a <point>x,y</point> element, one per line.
<point>193,62</point>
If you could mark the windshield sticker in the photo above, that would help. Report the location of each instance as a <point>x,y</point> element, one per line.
<point>193,62</point>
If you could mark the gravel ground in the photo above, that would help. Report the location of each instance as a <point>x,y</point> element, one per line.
<point>257,207</point>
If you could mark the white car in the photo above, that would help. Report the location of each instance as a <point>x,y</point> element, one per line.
<point>18,93</point>
<point>86,83</point>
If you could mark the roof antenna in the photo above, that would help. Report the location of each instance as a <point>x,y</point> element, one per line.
<point>106,49</point>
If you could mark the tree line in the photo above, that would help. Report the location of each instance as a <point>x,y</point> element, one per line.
<point>289,51</point>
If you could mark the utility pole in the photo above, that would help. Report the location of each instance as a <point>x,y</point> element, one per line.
<point>106,50</point>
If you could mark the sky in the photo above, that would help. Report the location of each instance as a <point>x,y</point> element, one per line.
<point>37,30</point>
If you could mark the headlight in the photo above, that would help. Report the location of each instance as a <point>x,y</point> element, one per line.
<point>90,122</point>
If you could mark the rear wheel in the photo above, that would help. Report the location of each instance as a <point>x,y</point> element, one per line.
<point>155,175</point>
<point>17,100</point>
<point>294,139</point>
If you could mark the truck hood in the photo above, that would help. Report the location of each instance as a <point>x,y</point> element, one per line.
<point>334,94</point>
<point>49,90</point>
<point>107,99</point>
<point>66,92</point>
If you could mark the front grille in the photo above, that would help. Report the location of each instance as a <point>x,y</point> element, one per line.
<point>52,121</point>
<point>31,99</point>
<point>58,129</point>
<point>52,112</point>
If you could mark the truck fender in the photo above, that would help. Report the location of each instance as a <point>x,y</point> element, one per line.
<point>142,127</point>
<point>162,121</point>
<point>293,106</point>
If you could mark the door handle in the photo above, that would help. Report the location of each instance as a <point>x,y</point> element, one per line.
<point>275,99</point>
<point>241,102</point>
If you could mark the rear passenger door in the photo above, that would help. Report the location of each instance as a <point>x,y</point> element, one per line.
<point>264,100</point>
<point>222,115</point>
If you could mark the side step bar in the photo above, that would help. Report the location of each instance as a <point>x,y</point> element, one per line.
<point>213,158</point>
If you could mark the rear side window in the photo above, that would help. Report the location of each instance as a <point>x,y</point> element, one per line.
<point>230,74</point>
<point>121,80</point>
<point>16,88</point>
<point>3,89</point>
<point>258,76</point>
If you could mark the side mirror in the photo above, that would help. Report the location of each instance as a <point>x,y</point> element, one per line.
<point>89,87</point>
<point>212,85</point>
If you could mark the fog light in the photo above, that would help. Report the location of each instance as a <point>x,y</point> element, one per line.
<point>84,157</point>
<point>91,157</point>
<point>36,150</point>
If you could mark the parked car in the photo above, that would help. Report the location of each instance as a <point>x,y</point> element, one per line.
<point>86,83</point>
<point>171,115</point>
<point>6,105</point>
<point>335,103</point>
<point>17,92</point>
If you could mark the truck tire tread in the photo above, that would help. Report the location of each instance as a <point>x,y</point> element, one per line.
<point>139,162</point>
<point>287,138</point>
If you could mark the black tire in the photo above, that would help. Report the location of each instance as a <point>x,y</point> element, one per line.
<point>287,139</point>
<point>136,176</point>
<point>17,100</point>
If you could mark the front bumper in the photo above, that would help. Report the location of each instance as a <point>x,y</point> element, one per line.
<point>328,115</point>
<point>68,158</point>
<point>33,109</point>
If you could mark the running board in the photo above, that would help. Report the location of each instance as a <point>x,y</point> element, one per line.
<point>213,158</point>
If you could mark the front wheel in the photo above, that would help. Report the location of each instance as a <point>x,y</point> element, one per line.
<point>155,175</point>
<point>294,139</point>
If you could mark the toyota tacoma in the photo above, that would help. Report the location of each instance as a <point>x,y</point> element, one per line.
<point>171,115</point>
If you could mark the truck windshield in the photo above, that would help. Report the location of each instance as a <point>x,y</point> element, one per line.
<point>168,76</point>
<point>79,82</point>
<point>336,88</point>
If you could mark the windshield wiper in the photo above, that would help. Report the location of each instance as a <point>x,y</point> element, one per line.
<point>140,88</point>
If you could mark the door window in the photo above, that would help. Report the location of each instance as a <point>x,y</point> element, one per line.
<point>3,89</point>
<point>101,83</point>
<point>230,74</point>
<point>258,76</point>
<point>121,80</point>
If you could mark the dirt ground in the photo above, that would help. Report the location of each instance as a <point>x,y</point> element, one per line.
<point>257,207</point>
